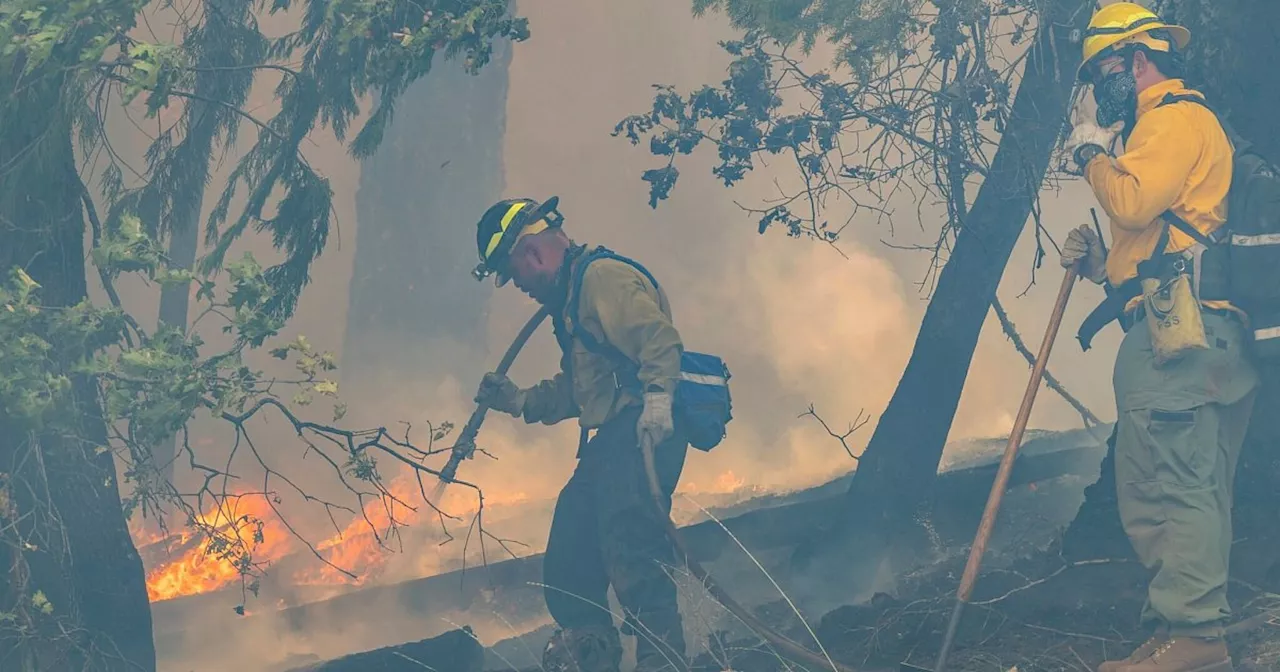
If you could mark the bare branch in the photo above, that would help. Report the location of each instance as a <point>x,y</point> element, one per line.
<point>854,426</point>
<point>1050,380</point>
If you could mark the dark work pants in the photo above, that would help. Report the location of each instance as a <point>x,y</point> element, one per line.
<point>607,530</point>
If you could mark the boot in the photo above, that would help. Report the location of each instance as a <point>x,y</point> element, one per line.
<point>1139,654</point>
<point>590,649</point>
<point>660,649</point>
<point>1185,654</point>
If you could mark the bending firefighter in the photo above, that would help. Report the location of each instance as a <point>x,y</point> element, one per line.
<point>620,366</point>
<point>1184,382</point>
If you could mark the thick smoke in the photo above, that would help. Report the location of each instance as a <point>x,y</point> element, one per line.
<point>799,322</point>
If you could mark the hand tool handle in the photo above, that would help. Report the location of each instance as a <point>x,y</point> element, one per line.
<point>996,497</point>
<point>466,444</point>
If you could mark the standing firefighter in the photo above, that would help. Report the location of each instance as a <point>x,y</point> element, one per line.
<point>619,370</point>
<point>1184,384</point>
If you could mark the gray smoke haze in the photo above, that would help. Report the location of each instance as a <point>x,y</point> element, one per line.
<point>797,321</point>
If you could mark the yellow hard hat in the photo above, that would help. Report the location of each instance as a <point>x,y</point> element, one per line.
<point>1126,22</point>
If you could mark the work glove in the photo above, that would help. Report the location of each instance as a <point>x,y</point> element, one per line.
<point>1083,247</point>
<point>1085,134</point>
<point>499,393</point>
<point>655,424</point>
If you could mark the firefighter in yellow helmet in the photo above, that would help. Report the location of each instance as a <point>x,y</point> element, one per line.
<point>1182,411</point>
<point>606,529</point>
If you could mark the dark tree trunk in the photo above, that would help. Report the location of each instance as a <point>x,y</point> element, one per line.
<point>895,473</point>
<point>1230,39</point>
<point>62,494</point>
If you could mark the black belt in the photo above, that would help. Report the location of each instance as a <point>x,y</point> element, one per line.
<point>1138,314</point>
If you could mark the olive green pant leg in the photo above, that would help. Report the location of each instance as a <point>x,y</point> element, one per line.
<point>1232,430</point>
<point>1174,474</point>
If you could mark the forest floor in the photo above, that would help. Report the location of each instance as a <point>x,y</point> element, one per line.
<point>1034,608</point>
<point>1040,613</point>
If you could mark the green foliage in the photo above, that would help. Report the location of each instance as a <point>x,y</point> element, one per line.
<point>867,33</point>
<point>913,92</point>
<point>157,384</point>
<point>349,49</point>
<point>75,33</point>
<point>34,389</point>
<point>41,603</point>
<point>126,249</point>
<point>158,69</point>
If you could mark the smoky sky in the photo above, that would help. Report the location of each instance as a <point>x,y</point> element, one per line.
<point>798,322</point>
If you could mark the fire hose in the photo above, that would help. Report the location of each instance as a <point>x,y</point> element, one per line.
<point>465,449</point>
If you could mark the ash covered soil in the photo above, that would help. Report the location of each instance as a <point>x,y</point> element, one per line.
<point>1047,599</point>
<point>1035,607</point>
<point>1040,613</point>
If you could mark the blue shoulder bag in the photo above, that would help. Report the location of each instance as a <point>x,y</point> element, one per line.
<point>702,404</point>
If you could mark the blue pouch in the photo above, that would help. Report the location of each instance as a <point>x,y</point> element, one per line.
<point>702,404</point>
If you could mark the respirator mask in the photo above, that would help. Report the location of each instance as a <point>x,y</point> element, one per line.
<point>1116,94</point>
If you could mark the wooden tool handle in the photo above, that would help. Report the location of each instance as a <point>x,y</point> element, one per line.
<point>996,496</point>
<point>466,444</point>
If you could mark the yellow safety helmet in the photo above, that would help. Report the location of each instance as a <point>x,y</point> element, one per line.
<point>503,225</point>
<point>1126,23</point>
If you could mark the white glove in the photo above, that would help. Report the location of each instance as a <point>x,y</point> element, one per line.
<point>1083,247</point>
<point>1089,135</point>
<point>1085,132</point>
<point>655,423</point>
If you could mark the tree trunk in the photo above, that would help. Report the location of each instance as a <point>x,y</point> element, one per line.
<point>62,494</point>
<point>184,235</point>
<point>901,461</point>
<point>415,312</point>
<point>1230,39</point>
<point>172,205</point>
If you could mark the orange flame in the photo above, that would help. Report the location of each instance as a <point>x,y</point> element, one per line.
<point>357,548</point>
<point>211,565</point>
<point>360,548</point>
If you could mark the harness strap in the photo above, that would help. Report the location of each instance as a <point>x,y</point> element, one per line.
<point>1238,143</point>
<point>627,369</point>
<point>1108,311</point>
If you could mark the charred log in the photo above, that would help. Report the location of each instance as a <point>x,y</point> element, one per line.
<point>456,651</point>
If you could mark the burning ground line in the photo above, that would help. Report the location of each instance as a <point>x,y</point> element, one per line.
<point>237,551</point>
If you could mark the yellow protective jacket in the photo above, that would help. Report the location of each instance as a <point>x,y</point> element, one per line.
<point>1177,158</point>
<point>618,306</point>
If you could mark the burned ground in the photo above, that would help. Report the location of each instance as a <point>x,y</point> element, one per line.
<point>1047,600</point>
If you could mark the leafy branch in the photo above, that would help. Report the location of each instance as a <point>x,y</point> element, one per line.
<point>153,389</point>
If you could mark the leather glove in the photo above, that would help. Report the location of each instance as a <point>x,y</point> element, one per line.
<point>656,423</point>
<point>1083,247</point>
<point>499,393</point>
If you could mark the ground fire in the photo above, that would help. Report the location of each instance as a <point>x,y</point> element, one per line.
<point>249,537</point>
<point>187,562</point>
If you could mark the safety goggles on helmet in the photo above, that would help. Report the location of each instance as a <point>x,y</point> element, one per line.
<point>503,225</point>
